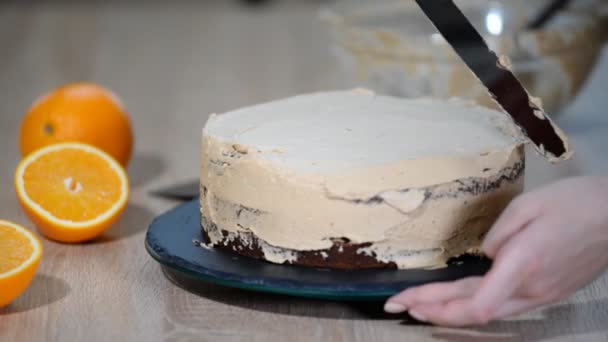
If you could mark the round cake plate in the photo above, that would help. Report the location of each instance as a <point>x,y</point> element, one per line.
<point>172,241</point>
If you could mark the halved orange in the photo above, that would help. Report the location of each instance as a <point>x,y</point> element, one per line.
<point>20,253</point>
<point>72,192</point>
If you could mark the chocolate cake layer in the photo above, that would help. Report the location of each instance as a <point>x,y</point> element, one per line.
<point>342,254</point>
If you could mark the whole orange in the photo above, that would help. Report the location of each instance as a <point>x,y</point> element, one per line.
<point>79,112</point>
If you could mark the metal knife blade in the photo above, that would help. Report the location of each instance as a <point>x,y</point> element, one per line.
<point>185,191</point>
<point>497,77</point>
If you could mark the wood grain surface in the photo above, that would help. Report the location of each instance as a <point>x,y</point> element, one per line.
<point>173,65</point>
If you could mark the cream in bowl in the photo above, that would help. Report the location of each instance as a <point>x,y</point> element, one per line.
<point>391,47</point>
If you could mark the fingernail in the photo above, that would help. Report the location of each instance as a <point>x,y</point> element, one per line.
<point>417,315</point>
<point>394,308</point>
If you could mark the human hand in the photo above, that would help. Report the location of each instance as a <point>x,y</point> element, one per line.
<point>547,244</point>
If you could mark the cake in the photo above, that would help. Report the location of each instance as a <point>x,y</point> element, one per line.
<point>353,180</point>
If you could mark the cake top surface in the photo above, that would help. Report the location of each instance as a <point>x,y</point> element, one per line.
<point>331,131</point>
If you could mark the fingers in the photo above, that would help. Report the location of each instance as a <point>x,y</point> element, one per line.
<point>503,279</point>
<point>514,218</point>
<point>501,292</point>
<point>474,300</point>
<point>432,293</point>
<point>458,313</point>
<point>494,291</point>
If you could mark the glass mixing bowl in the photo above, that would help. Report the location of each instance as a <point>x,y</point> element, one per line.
<point>391,47</point>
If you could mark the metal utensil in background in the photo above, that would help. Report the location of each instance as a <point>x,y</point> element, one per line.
<point>185,191</point>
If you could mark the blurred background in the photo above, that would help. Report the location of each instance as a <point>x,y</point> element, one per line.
<point>174,63</point>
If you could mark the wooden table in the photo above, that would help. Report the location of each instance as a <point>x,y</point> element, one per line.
<point>173,65</point>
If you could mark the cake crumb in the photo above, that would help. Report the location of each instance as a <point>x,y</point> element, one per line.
<point>504,62</point>
<point>537,105</point>
<point>207,246</point>
<point>536,102</point>
<point>539,114</point>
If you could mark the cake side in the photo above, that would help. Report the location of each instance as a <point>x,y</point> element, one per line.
<point>452,221</point>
